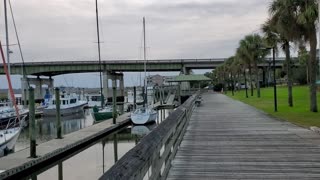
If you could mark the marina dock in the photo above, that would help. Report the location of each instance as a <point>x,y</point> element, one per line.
<point>17,164</point>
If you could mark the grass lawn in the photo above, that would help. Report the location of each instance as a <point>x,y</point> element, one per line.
<point>298,114</point>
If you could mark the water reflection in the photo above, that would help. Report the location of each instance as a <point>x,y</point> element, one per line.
<point>142,130</point>
<point>92,162</point>
<point>46,128</point>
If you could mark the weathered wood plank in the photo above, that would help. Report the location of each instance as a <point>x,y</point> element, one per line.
<point>227,139</point>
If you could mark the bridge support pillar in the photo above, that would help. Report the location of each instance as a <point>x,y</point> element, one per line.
<point>121,85</point>
<point>106,76</point>
<point>185,86</point>
<point>37,83</point>
<point>51,85</point>
<point>38,89</point>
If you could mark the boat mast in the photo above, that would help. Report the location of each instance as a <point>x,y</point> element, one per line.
<point>7,42</point>
<point>6,70</point>
<point>145,63</point>
<point>7,35</point>
<point>100,69</point>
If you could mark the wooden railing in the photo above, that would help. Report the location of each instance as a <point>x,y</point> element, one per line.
<point>151,158</point>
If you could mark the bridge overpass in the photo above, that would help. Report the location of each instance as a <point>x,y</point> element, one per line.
<point>67,67</point>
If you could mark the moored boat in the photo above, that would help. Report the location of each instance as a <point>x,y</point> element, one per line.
<point>69,104</point>
<point>145,114</point>
<point>99,114</point>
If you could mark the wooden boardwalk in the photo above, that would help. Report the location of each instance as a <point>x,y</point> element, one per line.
<point>227,139</point>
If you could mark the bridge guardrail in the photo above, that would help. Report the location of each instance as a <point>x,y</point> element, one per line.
<point>151,157</point>
<point>106,62</point>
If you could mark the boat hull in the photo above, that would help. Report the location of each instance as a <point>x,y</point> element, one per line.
<point>64,111</point>
<point>143,118</point>
<point>101,116</point>
<point>9,144</point>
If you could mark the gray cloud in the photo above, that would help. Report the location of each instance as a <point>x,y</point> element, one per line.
<point>66,29</point>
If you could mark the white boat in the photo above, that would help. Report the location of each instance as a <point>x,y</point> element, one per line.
<point>69,104</point>
<point>10,134</point>
<point>145,114</point>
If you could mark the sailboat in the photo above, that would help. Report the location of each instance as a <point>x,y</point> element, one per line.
<point>104,112</point>
<point>9,134</point>
<point>144,114</point>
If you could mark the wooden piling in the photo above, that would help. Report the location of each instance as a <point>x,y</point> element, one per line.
<point>32,124</point>
<point>60,171</point>
<point>114,104</point>
<point>58,115</point>
<point>134,98</point>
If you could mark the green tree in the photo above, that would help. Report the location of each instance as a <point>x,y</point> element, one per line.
<point>281,29</point>
<point>251,51</point>
<point>300,19</point>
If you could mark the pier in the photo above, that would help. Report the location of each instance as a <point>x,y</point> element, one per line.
<point>221,139</point>
<point>227,139</point>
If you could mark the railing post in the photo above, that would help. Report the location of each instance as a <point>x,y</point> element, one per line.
<point>32,125</point>
<point>58,114</point>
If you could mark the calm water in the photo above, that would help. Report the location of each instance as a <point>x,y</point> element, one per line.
<point>46,128</point>
<point>93,161</point>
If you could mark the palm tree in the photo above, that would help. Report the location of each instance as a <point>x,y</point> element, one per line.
<point>242,53</point>
<point>275,30</point>
<point>299,19</point>
<point>231,72</point>
<point>307,16</point>
<point>251,47</point>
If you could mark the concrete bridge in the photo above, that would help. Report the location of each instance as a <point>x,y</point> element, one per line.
<point>66,67</point>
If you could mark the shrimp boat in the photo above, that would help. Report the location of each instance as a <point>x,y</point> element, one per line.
<point>145,114</point>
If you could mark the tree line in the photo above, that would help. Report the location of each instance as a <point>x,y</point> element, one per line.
<point>290,23</point>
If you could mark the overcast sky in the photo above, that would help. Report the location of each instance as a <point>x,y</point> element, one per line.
<point>63,30</point>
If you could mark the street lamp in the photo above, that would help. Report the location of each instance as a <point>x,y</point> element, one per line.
<point>274,80</point>
<point>274,77</point>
